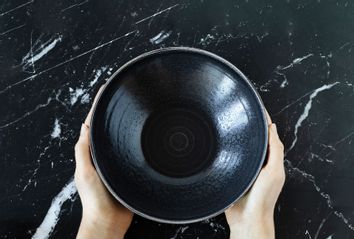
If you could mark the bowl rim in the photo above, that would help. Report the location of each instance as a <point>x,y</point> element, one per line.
<point>190,50</point>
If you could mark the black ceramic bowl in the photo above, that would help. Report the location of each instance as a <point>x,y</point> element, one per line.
<point>178,135</point>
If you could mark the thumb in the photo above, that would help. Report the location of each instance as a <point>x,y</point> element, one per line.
<point>82,149</point>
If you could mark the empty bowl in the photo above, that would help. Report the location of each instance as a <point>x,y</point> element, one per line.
<point>178,135</point>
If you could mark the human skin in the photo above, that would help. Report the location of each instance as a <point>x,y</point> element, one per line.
<point>250,218</point>
<point>102,215</point>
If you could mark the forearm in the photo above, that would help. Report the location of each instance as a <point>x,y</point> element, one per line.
<point>254,229</point>
<point>95,229</point>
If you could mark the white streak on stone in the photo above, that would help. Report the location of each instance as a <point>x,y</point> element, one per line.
<point>75,94</point>
<point>345,44</point>
<point>300,59</point>
<point>307,109</point>
<point>85,98</point>
<point>350,134</point>
<point>216,226</point>
<point>308,234</point>
<point>179,231</point>
<point>30,78</point>
<point>295,62</point>
<point>35,54</point>
<point>285,81</point>
<point>160,37</point>
<point>31,179</point>
<point>109,72</point>
<point>321,225</point>
<point>56,130</point>
<point>74,5</point>
<point>155,14</point>
<point>260,38</point>
<point>344,219</point>
<point>27,114</point>
<point>292,103</point>
<point>12,29</point>
<point>15,8</point>
<point>183,229</point>
<point>98,74</point>
<point>46,49</point>
<point>206,40</point>
<point>313,155</point>
<point>279,69</point>
<point>326,196</point>
<point>51,219</point>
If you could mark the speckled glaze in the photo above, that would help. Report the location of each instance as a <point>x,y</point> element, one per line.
<point>172,85</point>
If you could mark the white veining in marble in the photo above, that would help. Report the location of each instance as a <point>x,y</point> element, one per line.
<point>16,8</point>
<point>306,111</point>
<point>155,14</point>
<point>75,94</point>
<point>26,114</point>
<point>12,29</point>
<point>324,220</point>
<point>160,37</point>
<point>98,74</point>
<point>50,220</point>
<point>300,59</point>
<point>82,93</point>
<point>85,98</point>
<point>75,5</point>
<point>38,50</point>
<point>56,129</point>
<point>326,57</point>
<point>293,103</point>
<point>294,62</point>
<point>31,180</point>
<point>29,78</point>
<point>292,169</point>
<point>179,232</point>
<point>216,226</point>
<point>204,41</point>
<point>308,234</point>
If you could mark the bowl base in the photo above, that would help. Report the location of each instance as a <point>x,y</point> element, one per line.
<point>178,141</point>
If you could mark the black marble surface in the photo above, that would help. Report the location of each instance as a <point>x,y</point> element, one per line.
<point>55,54</point>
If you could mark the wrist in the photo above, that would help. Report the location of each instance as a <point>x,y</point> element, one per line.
<point>99,228</point>
<point>97,219</point>
<point>253,227</point>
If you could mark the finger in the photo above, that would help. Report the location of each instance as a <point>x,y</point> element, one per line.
<point>89,115</point>
<point>82,150</point>
<point>275,148</point>
<point>269,120</point>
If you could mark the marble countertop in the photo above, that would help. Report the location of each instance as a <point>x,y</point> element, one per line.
<point>55,54</point>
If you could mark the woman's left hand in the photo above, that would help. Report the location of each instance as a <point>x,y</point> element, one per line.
<point>102,215</point>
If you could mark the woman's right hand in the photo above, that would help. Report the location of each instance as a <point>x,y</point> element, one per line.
<point>252,216</point>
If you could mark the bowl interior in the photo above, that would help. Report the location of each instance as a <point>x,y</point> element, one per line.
<point>178,135</point>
